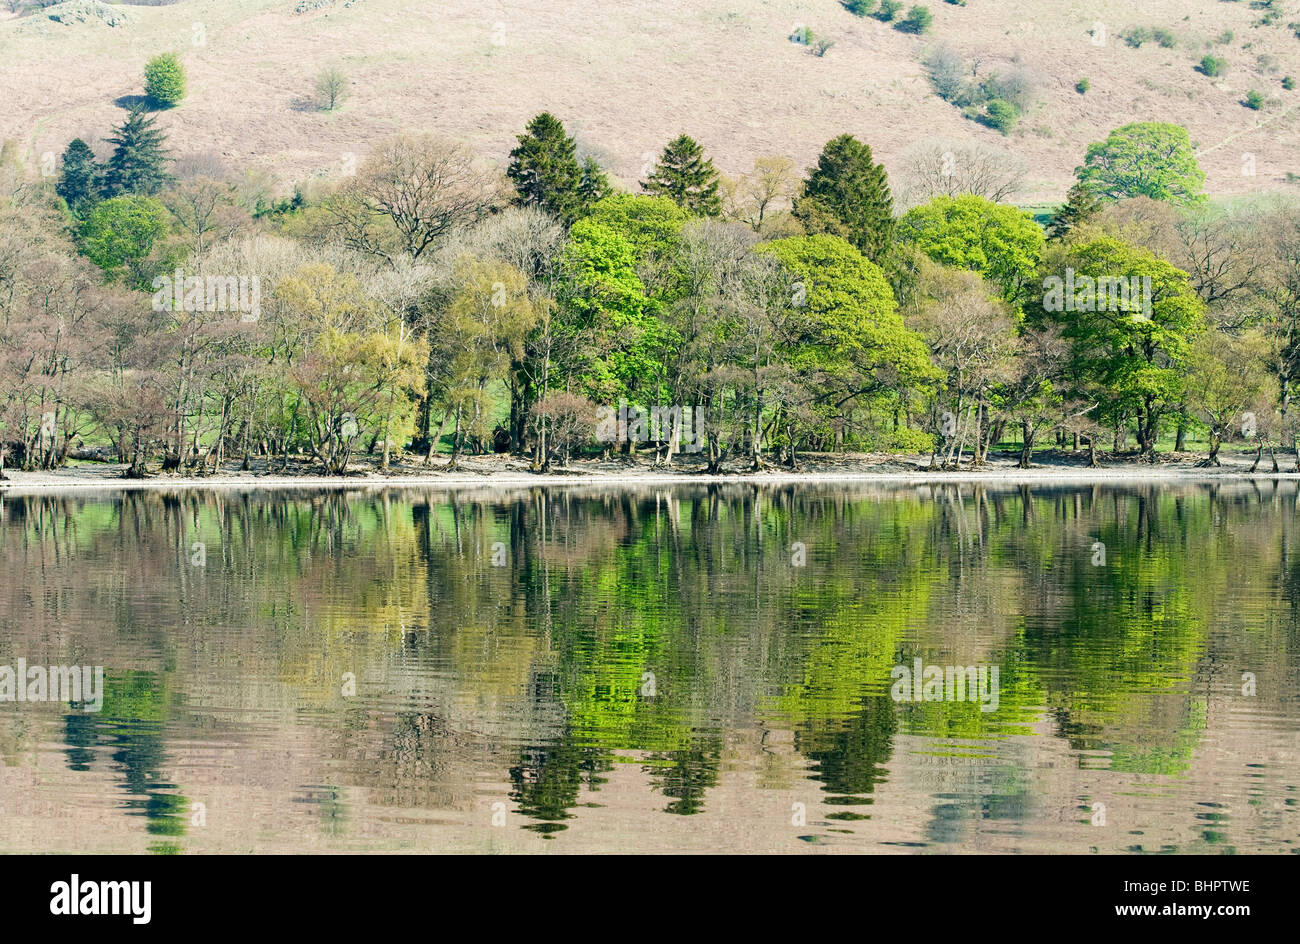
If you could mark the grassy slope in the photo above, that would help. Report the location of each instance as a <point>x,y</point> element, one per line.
<point>626,76</point>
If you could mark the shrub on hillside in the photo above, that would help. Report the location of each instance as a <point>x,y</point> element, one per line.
<point>1135,36</point>
<point>1018,87</point>
<point>948,74</point>
<point>1000,115</point>
<point>859,7</point>
<point>888,10</point>
<point>1254,100</point>
<point>917,21</point>
<point>1212,65</point>
<point>1082,86</point>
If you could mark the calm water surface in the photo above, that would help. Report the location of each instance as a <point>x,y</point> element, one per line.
<point>655,669</point>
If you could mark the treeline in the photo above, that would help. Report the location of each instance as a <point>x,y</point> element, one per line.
<point>163,310</point>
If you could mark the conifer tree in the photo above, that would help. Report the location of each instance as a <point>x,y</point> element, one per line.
<point>594,184</point>
<point>687,177</point>
<point>545,171</point>
<point>140,158</point>
<point>78,182</point>
<point>847,194</point>
<point>1080,205</point>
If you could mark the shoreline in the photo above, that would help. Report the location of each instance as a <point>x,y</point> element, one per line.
<point>496,472</point>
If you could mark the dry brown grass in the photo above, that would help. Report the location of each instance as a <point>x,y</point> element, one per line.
<point>626,76</point>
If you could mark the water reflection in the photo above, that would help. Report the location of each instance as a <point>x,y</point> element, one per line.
<point>618,669</point>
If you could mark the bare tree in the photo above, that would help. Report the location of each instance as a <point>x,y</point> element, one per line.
<point>413,191</point>
<point>205,210</point>
<point>951,168</point>
<point>758,196</point>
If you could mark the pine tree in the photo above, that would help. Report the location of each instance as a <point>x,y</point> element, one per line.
<point>847,194</point>
<point>139,160</point>
<point>594,184</point>
<point>1080,204</point>
<point>545,170</point>
<point>687,177</point>
<point>78,182</point>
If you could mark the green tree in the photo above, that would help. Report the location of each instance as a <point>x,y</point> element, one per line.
<point>1001,243</point>
<point>652,226</point>
<point>140,157</point>
<point>684,175</point>
<point>1143,159</point>
<point>331,88</point>
<point>1132,344</point>
<point>846,340</point>
<point>1226,374</point>
<point>847,194</point>
<point>594,184</point>
<point>120,234</point>
<point>1080,205</point>
<point>78,182</point>
<point>605,305</point>
<point>164,81</point>
<point>545,171</point>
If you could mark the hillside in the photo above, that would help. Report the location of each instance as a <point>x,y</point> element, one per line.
<point>626,76</point>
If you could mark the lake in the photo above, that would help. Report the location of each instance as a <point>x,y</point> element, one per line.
<point>944,668</point>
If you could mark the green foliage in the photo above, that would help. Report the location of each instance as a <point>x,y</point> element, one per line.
<point>684,175</point>
<point>609,307</point>
<point>164,81</point>
<point>1082,86</point>
<point>859,7</point>
<point>918,20</point>
<point>1138,360</point>
<point>140,157</point>
<point>651,226</point>
<point>1000,115</point>
<point>1288,83</point>
<point>849,329</point>
<point>120,234</point>
<point>1143,159</point>
<point>847,194</point>
<point>78,182</point>
<point>1080,204</point>
<point>1135,36</point>
<point>821,46</point>
<point>1000,242</point>
<point>950,76</point>
<point>1254,100</point>
<point>545,171</point>
<point>1212,65</point>
<point>1164,38</point>
<point>888,10</point>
